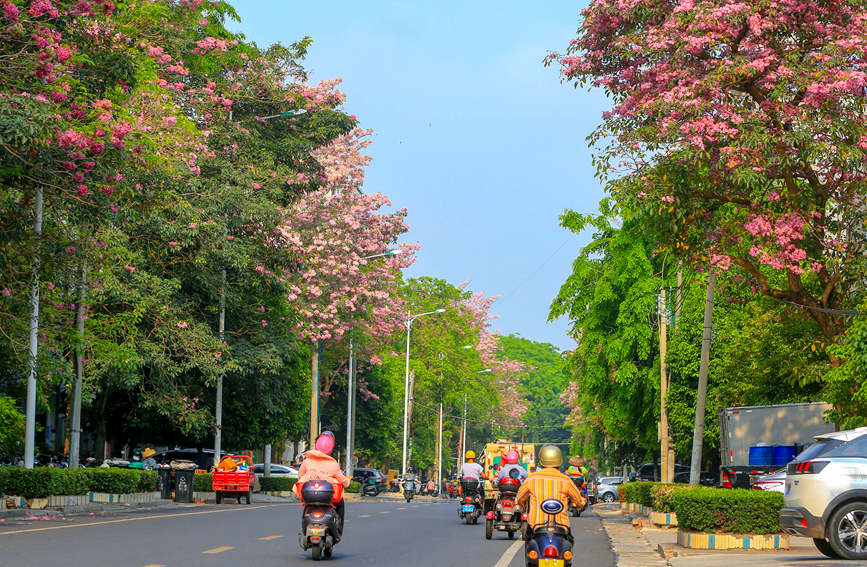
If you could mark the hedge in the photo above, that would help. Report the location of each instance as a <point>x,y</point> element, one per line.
<point>203,482</point>
<point>354,487</point>
<point>662,496</point>
<point>41,482</point>
<point>276,483</point>
<point>638,492</point>
<point>738,511</point>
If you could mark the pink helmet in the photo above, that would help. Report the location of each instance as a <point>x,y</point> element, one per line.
<point>325,442</point>
<point>512,457</point>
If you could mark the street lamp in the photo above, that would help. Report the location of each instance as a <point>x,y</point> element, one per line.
<point>409,321</point>
<point>350,401</point>
<point>218,410</point>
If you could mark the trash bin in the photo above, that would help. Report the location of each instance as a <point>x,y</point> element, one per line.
<point>184,485</point>
<point>164,482</point>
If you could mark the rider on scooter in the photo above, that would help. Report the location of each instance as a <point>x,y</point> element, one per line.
<point>320,465</point>
<point>512,458</point>
<point>546,483</point>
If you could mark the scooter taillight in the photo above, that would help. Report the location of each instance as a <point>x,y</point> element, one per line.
<point>317,514</point>
<point>550,551</point>
<point>468,499</point>
<point>524,516</point>
<point>490,515</point>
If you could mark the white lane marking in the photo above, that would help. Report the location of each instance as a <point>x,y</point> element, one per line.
<point>242,509</point>
<point>509,554</point>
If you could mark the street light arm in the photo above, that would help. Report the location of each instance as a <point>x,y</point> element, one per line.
<point>414,317</point>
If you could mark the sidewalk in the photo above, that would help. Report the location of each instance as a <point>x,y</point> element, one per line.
<point>636,546</point>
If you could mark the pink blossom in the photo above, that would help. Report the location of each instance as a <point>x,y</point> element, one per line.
<point>667,198</point>
<point>130,269</point>
<point>193,224</point>
<point>260,269</point>
<point>82,189</point>
<point>172,243</point>
<point>264,323</point>
<point>182,324</point>
<point>10,10</point>
<point>6,292</point>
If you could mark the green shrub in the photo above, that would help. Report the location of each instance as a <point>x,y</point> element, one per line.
<point>354,487</point>
<point>41,482</point>
<point>203,482</point>
<point>728,510</point>
<point>114,481</point>
<point>276,483</point>
<point>638,492</point>
<point>662,496</point>
<point>147,481</point>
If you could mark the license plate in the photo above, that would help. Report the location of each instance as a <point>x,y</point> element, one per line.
<point>467,508</point>
<point>550,563</point>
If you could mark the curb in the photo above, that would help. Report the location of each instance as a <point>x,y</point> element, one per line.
<point>97,508</point>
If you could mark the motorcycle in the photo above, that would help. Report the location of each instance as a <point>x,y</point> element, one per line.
<point>408,488</point>
<point>471,502</point>
<point>548,545</point>
<point>582,488</point>
<point>506,515</point>
<point>321,526</point>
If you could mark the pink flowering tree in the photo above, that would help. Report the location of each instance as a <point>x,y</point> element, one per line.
<point>740,128</point>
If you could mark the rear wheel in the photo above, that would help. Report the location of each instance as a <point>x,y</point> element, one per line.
<point>825,548</point>
<point>327,552</point>
<point>468,519</point>
<point>489,529</point>
<point>219,496</point>
<point>247,497</point>
<point>847,531</point>
<point>511,534</point>
<point>316,552</point>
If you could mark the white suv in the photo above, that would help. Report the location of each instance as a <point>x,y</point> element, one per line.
<point>826,496</point>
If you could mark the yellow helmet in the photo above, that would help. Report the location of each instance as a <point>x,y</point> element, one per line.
<point>148,453</point>
<point>470,455</point>
<point>550,456</point>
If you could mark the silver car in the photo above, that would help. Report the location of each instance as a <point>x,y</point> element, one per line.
<point>826,495</point>
<point>606,488</point>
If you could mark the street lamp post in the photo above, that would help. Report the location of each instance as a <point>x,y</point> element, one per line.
<point>350,388</point>
<point>406,392</point>
<point>218,410</point>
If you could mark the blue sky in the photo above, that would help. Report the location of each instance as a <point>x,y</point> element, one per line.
<point>482,144</point>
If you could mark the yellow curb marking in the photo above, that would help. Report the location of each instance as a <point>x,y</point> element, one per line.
<point>364,516</point>
<point>266,538</point>
<point>218,550</point>
<point>158,516</point>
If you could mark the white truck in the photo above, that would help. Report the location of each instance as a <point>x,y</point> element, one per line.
<point>751,426</point>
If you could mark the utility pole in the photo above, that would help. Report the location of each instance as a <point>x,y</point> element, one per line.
<point>75,432</point>
<point>218,410</point>
<point>666,466</point>
<point>464,433</point>
<point>30,408</point>
<point>267,470</point>
<point>409,426</point>
<point>350,403</point>
<point>701,395</point>
<point>314,394</point>
<point>440,451</point>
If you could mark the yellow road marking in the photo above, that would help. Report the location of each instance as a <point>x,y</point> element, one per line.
<point>266,538</point>
<point>364,516</point>
<point>218,550</point>
<point>154,565</point>
<point>385,512</point>
<point>158,516</point>
<point>402,508</point>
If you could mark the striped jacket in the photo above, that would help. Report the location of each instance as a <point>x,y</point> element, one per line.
<point>542,485</point>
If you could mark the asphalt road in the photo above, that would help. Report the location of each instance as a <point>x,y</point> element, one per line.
<point>383,533</point>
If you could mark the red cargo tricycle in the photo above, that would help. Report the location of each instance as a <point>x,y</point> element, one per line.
<point>236,482</point>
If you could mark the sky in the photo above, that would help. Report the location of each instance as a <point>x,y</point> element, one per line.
<point>473,135</point>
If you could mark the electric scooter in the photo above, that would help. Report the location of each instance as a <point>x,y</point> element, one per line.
<point>321,527</point>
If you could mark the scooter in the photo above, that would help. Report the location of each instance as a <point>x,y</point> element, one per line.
<point>321,527</point>
<point>471,502</point>
<point>582,488</point>
<point>408,488</point>
<point>506,515</point>
<point>548,545</point>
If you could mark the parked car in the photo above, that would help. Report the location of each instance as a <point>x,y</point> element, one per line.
<point>826,495</point>
<point>605,489</point>
<point>774,482</point>
<point>651,471</point>
<point>204,458</point>
<point>284,471</point>
<point>369,476</point>
<point>705,478</point>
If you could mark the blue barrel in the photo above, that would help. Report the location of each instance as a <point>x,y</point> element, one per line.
<point>783,454</point>
<point>761,456</point>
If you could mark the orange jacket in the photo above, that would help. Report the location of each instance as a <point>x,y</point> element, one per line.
<point>319,466</point>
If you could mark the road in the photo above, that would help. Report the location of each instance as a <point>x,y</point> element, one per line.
<point>382,533</point>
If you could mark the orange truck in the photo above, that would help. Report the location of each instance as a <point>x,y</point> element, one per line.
<point>236,482</point>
